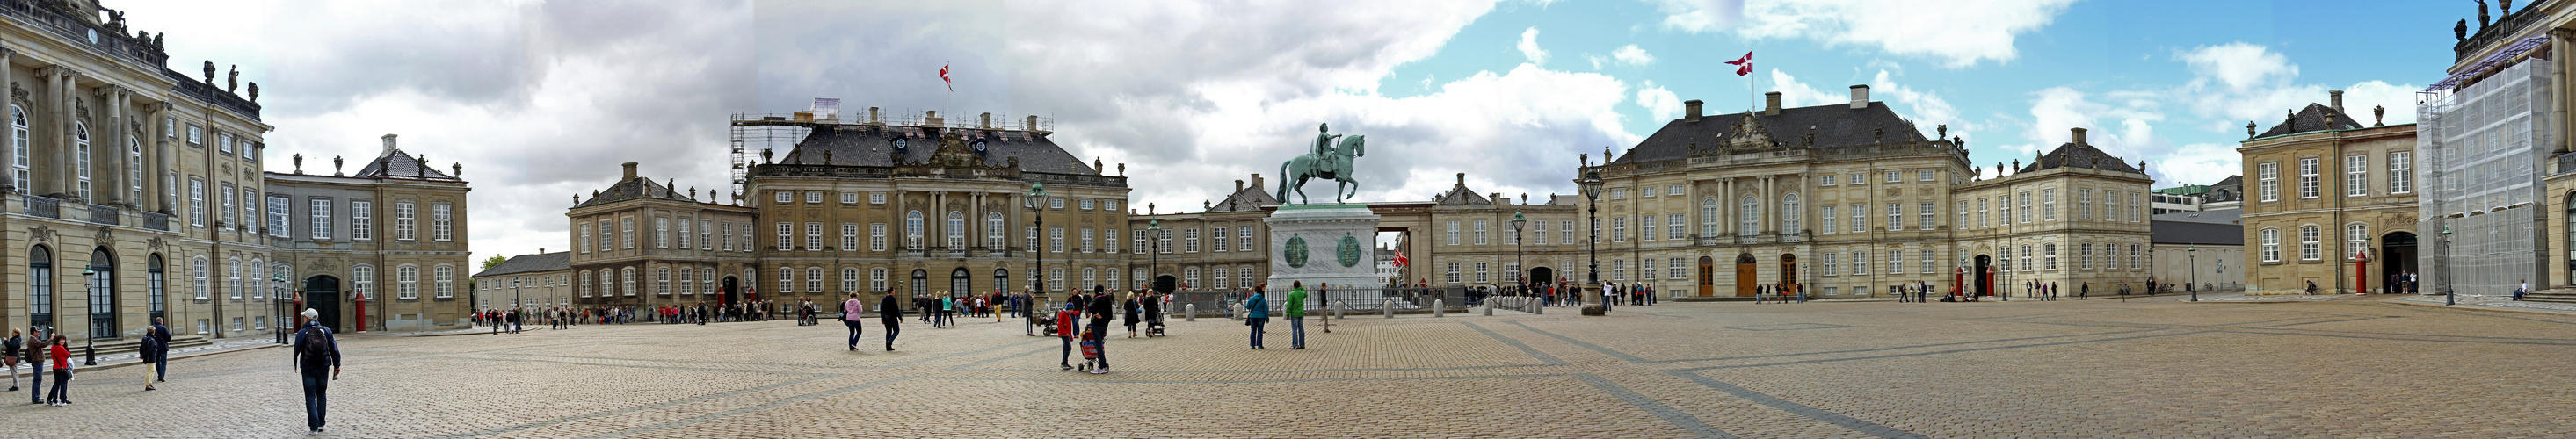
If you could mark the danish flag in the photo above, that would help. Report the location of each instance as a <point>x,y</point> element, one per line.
<point>952,85</point>
<point>1400,260</point>
<point>1744,66</point>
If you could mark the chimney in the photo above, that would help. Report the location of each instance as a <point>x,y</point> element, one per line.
<point>1497,197</point>
<point>930,118</point>
<point>1256,181</point>
<point>985,121</point>
<point>1860,96</point>
<point>2079,136</point>
<point>1771,104</point>
<point>1462,179</point>
<point>1690,110</point>
<point>1238,185</point>
<point>630,172</point>
<point>2334,98</point>
<point>389,144</point>
<point>1033,123</point>
<point>873,117</point>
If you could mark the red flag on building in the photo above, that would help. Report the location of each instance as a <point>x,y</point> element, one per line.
<point>1400,260</point>
<point>952,85</point>
<point>1743,66</point>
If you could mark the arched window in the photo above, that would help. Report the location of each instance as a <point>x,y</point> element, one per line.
<point>80,164</point>
<point>2308,238</point>
<point>258,279</point>
<point>688,282</point>
<point>912,230</point>
<point>662,281</point>
<point>786,280</point>
<point>232,278</point>
<point>585,283</point>
<point>1748,221</point>
<point>920,283</point>
<point>877,280</point>
<point>40,283</point>
<point>154,278</point>
<point>134,168</point>
<point>445,275</point>
<point>626,279</point>
<point>849,280</point>
<point>1002,279</point>
<point>2356,236</point>
<point>1790,217</point>
<point>362,279</point>
<point>993,231</point>
<point>2271,242</point>
<point>956,231</point>
<point>813,280</point>
<point>1707,218</point>
<point>20,162</point>
<point>407,282</point>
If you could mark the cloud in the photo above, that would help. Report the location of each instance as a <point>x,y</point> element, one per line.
<point>1529,47</point>
<point>1957,34</point>
<point>537,100</point>
<point>1631,55</point>
<point>1661,104</point>
<point>1925,108</point>
<point>2238,82</point>
<point>1798,94</point>
<point>1699,16</point>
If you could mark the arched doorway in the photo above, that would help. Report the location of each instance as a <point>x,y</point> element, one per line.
<point>920,283</point>
<point>1707,276</point>
<point>1789,273</point>
<point>1002,280</point>
<point>959,283</point>
<point>1985,275</point>
<point>731,285</point>
<point>1165,283</point>
<point>1542,276</point>
<point>101,274</point>
<point>1745,266</point>
<point>322,295</point>
<point>2396,255</point>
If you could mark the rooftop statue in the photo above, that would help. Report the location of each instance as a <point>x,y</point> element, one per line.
<point>1326,160</point>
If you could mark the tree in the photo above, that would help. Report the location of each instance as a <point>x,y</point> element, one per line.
<point>494,261</point>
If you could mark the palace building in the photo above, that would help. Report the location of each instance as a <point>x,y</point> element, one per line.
<point>2332,202</point>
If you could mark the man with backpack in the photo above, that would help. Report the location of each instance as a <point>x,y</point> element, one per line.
<point>314,350</point>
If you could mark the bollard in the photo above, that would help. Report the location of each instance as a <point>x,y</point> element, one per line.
<point>1388,308</point>
<point>1341,310</point>
<point>1194,312</point>
<point>1436,310</point>
<point>1489,307</point>
<point>93,354</point>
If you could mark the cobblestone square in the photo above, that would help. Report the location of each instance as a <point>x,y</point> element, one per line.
<point>2357,367</point>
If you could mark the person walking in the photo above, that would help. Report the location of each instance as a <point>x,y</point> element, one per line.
<point>61,395</point>
<point>1296,315</point>
<point>1101,307</point>
<point>890,314</point>
<point>850,310</point>
<point>156,350</point>
<point>1135,313</point>
<point>315,349</point>
<point>1257,313</point>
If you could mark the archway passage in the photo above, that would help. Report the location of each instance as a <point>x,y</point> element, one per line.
<point>322,295</point>
<point>1165,283</point>
<point>102,294</point>
<point>2396,257</point>
<point>1985,275</point>
<point>1745,267</point>
<point>1707,276</point>
<point>959,282</point>
<point>1542,276</point>
<point>727,294</point>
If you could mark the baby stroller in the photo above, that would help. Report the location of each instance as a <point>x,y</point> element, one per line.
<point>1046,324</point>
<point>1091,353</point>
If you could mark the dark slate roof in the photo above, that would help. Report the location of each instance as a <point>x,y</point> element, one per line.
<point>2314,117</point>
<point>2080,155</point>
<point>2232,180</point>
<point>541,262</point>
<point>2176,232</point>
<point>637,188</point>
<point>1459,195</point>
<point>1834,125</point>
<point>1249,199</point>
<point>396,164</point>
<point>871,145</point>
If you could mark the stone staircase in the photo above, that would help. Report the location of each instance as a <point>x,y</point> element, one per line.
<point>2561,295</point>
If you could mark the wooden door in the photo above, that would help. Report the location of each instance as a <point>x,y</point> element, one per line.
<point>1707,276</point>
<point>1744,275</point>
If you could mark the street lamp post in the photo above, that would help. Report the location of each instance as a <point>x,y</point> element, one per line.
<point>2448,298</point>
<point>514,295</point>
<point>89,282</point>
<point>1520,266</point>
<point>1036,201</point>
<point>1154,253</point>
<point>1591,184</point>
<point>277,295</point>
<point>2194,251</point>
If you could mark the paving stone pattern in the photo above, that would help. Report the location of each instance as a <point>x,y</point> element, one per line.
<point>2099,368</point>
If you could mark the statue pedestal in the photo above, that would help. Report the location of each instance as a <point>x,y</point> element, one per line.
<point>1320,244</point>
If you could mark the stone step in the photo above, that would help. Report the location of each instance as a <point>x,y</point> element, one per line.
<point>2554,296</point>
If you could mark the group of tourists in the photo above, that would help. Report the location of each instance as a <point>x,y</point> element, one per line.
<point>42,350</point>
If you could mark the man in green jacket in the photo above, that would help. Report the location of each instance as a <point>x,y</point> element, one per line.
<point>1296,315</point>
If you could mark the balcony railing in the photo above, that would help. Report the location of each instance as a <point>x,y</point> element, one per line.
<point>99,214</point>
<point>44,207</point>
<point>156,221</point>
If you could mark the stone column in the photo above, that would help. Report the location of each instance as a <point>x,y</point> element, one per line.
<point>56,177</point>
<point>159,159</point>
<point>1770,209</point>
<point>1725,209</point>
<point>9,78</point>
<point>111,97</point>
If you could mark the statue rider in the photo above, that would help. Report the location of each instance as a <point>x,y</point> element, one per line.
<point>1324,142</point>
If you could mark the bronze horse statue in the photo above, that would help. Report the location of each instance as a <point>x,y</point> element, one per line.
<point>1335,165</point>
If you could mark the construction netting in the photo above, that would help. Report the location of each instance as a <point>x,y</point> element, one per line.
<point>2482,147</point>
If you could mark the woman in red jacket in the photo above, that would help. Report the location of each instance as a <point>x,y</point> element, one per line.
<point>62,373</point>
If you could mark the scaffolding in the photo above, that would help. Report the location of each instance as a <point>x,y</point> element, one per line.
<point>759,132</point>
<point>2481,148</point>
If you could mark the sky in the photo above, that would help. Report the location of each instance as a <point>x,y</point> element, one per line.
<point>540,100</point>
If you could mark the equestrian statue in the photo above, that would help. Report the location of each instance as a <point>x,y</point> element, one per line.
<point>1326,160</point>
